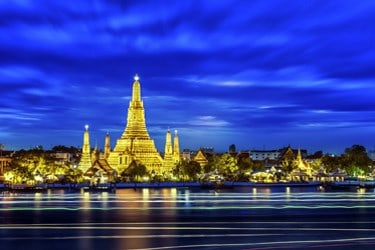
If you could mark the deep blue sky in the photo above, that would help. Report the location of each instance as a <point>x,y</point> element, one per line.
<point>259,74</point>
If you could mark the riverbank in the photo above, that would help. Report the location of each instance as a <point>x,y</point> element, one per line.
<point>227,184</point>
<point>175,184</point>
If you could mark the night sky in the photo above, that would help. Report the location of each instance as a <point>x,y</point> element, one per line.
<point>257,74</point>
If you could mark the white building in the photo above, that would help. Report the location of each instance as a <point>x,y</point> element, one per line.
<point>261,155</point>
<point>371,155</point>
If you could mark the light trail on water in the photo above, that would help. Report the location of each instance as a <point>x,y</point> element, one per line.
<point>273,245</point>
<point>186,219</point>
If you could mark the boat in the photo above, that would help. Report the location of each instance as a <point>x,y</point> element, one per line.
<point>348,186</point>
<point>104,187</point>
<point>25,188</point>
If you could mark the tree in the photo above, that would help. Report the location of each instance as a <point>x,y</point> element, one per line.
<point>140,171</point>
<point>316,164</point>
<point>18,173</point>
<point>213,164</point>
<point>228,164</point>
<point>192,169</point>
<point>135,171</point>
<point>65,149</point>
<point>356,161</point>
<point>28,163</point>
<point>315,160</point>
<point>317,154</point>
<point>74,175</point>
<point>245,167</point>
<point>245,164</point>
<point>178,170</point>
<point>332,163</point>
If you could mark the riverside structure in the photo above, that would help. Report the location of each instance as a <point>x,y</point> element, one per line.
<point>135,146</point>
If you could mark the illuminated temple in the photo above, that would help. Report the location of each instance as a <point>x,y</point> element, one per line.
<point>85,162</point>
<point>135,144</point>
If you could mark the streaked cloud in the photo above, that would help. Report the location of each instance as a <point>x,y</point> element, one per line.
<point>252,73</point>
<point>208,121</point>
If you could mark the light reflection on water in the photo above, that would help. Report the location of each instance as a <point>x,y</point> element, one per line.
<point>178,199</point>
<point>172,218</point>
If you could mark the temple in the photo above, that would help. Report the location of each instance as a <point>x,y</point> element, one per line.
<point>107,146</point>
<point>85,162</point>
<point>135,142</point>
<point>168,152</point>
<point>176,148</point>
<point>135,145</point>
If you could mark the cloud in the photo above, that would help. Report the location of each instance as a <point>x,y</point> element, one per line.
<point>283,70</point>
<point>208,121</point>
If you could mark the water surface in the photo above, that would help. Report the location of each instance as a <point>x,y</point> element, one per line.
<point>183,218</point>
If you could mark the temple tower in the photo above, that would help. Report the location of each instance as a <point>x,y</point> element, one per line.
<point>299,156</point>
<point>168,144</point>
<point>95,155</point>
<point>135,142</point>
<point>107,146</point>
<point>85,162</point>
<point>302,165</point>
<point>176,148</point>
<point>168,152</point>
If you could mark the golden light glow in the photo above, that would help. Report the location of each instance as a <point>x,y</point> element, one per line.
<point>136,77</point>
<point>8,176</point>
<point>38,178</point>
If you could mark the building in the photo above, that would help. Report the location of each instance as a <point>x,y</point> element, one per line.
<point>135,144</point>
<point>168,152</point>
<point>303,172</point>
<point>201,158</point>
<point>186,154</point>
<point>295,152</point>
<point>63,158</point>
<point>176,148</point>
<point>85,162</point>
<point>5,159</point>
<point>261,155</point>
<point>276,154</point>
<point>101,172</point>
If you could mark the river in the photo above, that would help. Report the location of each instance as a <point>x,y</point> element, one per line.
<point>189,218</point>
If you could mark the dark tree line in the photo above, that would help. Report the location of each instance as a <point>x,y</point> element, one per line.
<point>354,161</point>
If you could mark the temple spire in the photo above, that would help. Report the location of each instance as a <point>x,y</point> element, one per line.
<point>136,95</point>
<point>168,143</point>
<point>136,124</point>
<point>95,155</point>
<point>135,143</point>
<point>107,146</point>
<point>168,152</point>
<point>299,155</point>
<point>85,162</point>
<point>176,148</point>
